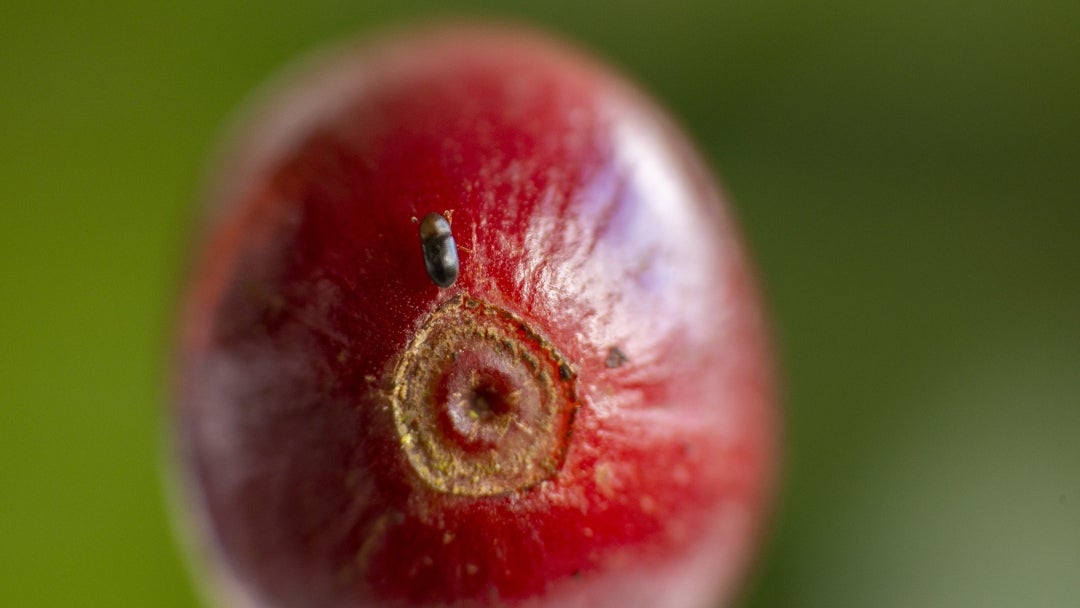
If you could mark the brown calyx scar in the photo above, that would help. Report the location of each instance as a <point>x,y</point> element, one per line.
<point>483,404</point>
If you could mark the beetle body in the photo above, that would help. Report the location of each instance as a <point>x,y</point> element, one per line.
<point>440,251</point>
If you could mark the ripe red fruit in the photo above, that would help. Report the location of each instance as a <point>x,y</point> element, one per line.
<point>584,418</point>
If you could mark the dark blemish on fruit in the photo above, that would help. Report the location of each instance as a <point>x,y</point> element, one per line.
<point>615,358</point>
<point>565,373</point>
<point>440,251</point>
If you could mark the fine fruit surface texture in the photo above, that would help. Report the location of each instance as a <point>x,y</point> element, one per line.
<point>469,324</point>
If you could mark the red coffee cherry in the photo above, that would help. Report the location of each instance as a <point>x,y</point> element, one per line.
<point>469,324</point>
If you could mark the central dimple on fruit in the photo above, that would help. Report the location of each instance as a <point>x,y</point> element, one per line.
<point>483,404</point>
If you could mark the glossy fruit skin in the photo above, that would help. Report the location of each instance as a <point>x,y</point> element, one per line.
<point>584,219</point>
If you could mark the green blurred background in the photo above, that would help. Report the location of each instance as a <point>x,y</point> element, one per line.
<point>908,175</point>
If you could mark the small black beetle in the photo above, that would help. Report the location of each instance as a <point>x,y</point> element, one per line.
<point>440,251</point>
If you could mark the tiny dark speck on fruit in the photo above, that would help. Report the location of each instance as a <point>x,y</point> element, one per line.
<point>440,251</point>
<point>615,358</point>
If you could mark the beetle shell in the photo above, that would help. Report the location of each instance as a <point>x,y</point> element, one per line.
<point>440,251</point>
